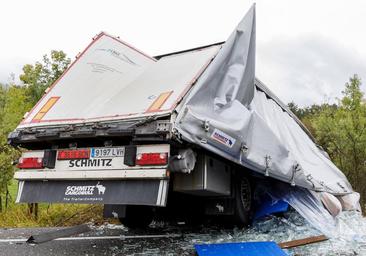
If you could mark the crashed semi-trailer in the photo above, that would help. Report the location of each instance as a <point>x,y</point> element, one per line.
<point>184,131</point>
<point>104,133</point>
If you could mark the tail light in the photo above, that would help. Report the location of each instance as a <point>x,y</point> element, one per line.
<point>73,154</point>
<point>152,158</point>
<point>30,163</point>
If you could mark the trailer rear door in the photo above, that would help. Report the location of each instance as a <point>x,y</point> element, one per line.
<point>111,80</point>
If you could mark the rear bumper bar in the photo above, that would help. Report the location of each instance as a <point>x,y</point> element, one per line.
<point>92,175</point>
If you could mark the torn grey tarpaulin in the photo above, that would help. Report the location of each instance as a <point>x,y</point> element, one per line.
<point>228,112</point>
<point>230,76</point>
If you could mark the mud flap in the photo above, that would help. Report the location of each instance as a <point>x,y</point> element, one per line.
<point>128,192</point>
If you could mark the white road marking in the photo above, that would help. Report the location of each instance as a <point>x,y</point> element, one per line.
<point>13,240</point>
<point>23,240</point>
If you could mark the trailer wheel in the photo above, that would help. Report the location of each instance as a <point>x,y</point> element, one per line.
<point>243,200</point>
<point>137,216</point>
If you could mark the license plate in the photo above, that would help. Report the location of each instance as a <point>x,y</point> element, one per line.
<point>107,152</point>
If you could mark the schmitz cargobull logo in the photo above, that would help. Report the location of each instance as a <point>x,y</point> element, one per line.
<point>223,138</point>
<point>85,190</point>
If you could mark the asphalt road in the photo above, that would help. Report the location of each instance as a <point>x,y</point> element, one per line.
<point>95,242</point>
<point>117,240</point>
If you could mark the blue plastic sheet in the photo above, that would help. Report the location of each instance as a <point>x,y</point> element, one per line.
<point>238,249</point>
<point>269,207</point>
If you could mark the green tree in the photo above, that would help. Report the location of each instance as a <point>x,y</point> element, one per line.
<point>13,105</point>
<point>16,100</point>
<point>39,76</point>
<point>307,114</point>
<point>295,109</point>
<point>341,132</point>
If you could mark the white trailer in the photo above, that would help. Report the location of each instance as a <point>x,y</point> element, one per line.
<point>103,133</point>
<point>190,131</point>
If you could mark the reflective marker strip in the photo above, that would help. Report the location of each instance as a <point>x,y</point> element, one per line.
<point>158,103</point>
<point>46,107</point>
<point>158,200</point>
<point>163,187</point>
<point>20,190</point>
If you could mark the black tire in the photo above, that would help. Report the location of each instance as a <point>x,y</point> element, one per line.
<point>243,201</point>
<point>137,216</point>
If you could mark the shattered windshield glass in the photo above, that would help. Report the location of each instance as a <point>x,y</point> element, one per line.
<point>350,238</point>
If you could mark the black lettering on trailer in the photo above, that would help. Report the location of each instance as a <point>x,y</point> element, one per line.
<point>93,162</point>
<point>106,162</point>
<point>90,163</point>
<point>84,163</point>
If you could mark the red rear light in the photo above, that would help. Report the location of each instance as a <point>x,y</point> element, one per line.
<point>73,154</point>
<point>152,158</point>
<point>30,163</point>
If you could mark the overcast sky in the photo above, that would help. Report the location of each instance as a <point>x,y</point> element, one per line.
<point>306,50</point>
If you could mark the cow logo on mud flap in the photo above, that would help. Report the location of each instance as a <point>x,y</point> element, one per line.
<point>97,189</point>
<point>101,189</point>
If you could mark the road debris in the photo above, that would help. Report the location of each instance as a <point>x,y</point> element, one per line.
<point>304,241</point>
<point>52,235</point>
